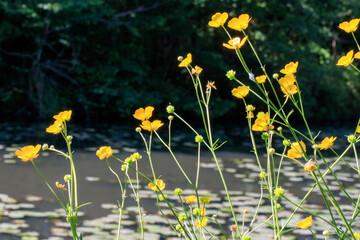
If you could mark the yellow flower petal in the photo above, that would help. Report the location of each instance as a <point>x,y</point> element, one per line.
<point>305,224</point>
<point>350,26</point>
<point>203,223</point>
<point>218,19</point>
<point>327,143</point>
<point>143,114</point>
<point>240,23</point>
<point>261,79</point>
<point>63,116</point>
<point>56,127</point>
<point>346,60</point>
<point>28,153</point>
<point>186,62</point>
<point>104,152</point>
<point>159,183</point>
<point>290,68</point>
<point>240,92</point>
<point>190,199</point>
<point>297,150</point>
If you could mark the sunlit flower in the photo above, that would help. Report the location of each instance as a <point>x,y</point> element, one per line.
<point>240,92</point>
<point>150,126</point>
<point>210,85</point>
<point>240,23</point>
<point>203,223</point>
<point>346,60</point>
<point>143,114</point>
<point>327,143</point>
<point>28,153</point>
<point>233,228</point>
<point>262,123</point>
<point>290,68</point>
<point>349,26</point>
<point>305,224</point>
<point>235,43</point>
<point>261,79</point>
<point>202,211</point>
<point>186,62</point>
<point>104,152</point>
<point>191,199</point>
<point>309,166</point>
<point>196,70</point>
<point>289,90</point>
<point>218,19</point>
<point>159,183</point>
<point>296,150</point>
<point>56,127</point>
<point>358,129</point>
<point>357,55</point>
<point>287,80</point>
<point>60,186</point>
<point>63,116</point>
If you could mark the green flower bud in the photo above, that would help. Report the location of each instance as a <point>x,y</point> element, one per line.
<point>45,147</point>
<point>67,178</point>
<point>279,129</point>
<point>180,58</point>
<point>246,238</point>
<point>250,108</point>
<point>262,175</point>
<point>179,227</point>
<point>265,136</point>
<point>170,109</point>
<point>275,75</point>
<point>124,167</point>
<point>315,146</point>
<point>271,151</point>
<point>204,200</point>
<point>230,74</point>
<point>171,117</point>
<point>351,139</point>
<point>199,139</point>
<point>196,211</point>
<point>161,198</point>
<point>69,138</point>
<point>278,206</point>
<point>178,191</point>
<point>214,216</point>
<point>138,129</point>
<point>182,217</point>
<point>279,191</point>
<point>326,233</point>
<point>129,161</point>
<point>52,147</point>
<point>286,143</point>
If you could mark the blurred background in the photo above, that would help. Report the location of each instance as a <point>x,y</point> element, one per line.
<point>104,59</point>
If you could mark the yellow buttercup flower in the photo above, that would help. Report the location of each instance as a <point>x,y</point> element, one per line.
<point>305,224</point>
<point>186,62</point>
<point>191,199</point>
<point>218,19</point>
<point>350,26</point>
<point>143,114</point>
<point>235,43</point>
<point>346,60</point>
<point>296,150</point>
<point>240,23</point>
<point>327,143</point>
<point>202,211</point>
<point>290,68</point>
<point>357,235</point>
<point>287,84</point>
<point>357,55</point>
<point>203,223</point>
<point>104,152</point>
<point>261,79</point>
<point>56,128</point>
<point>358,129</point>
<point>240,92</point>
<point>28,153</point>
<point>289,90</point>
<point>160,183</point>
<point>63,116</point>
<point>60,186</point>
<point>196,70</point>
<point>309,167</point>
<point>150,126</point>
<point>262,123</point>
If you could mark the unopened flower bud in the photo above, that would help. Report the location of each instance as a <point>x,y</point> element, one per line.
<point>171,117</point>
<point>45,147</point>
<point>161,198</point>
<point>124,167</point>
<point>52,147</point>
<point>230,74</point>
<point>138,129</point>
<point>286,143</point>
<point>262,175</point>
<point>129,161</point>
<point>351,139</point>
<point>265,136</point>
<point>214,216</point>
<point>250,108</point>
<point>69,138</point>
<point>199,139</point>
<point>279,129</point>
<point>275,75</point>
<point>205,200</point>
<point>315,146</point>
<point>310,166</point>
<point>182,217</point>
<point>179,227</point>
<point>180,58</point>
<point>136,156</point>
<point>233,228</point>
<point>279,191</point>
<point>196,211</point>
<point>246,238</point>
<point>67,178</point>
<point>271,151</point>
<point>170,109</point>
<point>278,206</point>
<point>325,233</point>
<point>178,191</point>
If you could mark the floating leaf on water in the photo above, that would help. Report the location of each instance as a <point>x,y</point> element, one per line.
<point>32,198</point>
<point>109,206</point>
<point>10,161</point>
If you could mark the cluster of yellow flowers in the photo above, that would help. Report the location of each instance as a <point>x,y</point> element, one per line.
<point>288,82</point>
<point>144,115</point>
<point>349,27</point>
<point>262,123</point>
<point>60,119</point>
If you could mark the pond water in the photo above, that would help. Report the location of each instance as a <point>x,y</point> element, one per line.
<point>29,211</point>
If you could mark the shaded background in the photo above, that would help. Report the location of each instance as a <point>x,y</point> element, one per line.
<point>104,59</point>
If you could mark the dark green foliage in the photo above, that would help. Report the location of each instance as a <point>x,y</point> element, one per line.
<point>103,59</point>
